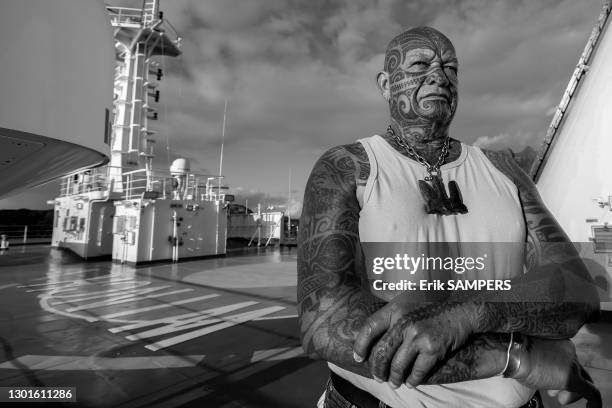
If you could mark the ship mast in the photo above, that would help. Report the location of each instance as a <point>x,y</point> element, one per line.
<point>140,36</point>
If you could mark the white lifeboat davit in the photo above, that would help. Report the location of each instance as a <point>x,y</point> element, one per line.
<point>56,82</point>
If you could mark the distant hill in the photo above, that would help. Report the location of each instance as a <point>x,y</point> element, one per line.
<point>525,158</point>
<point>26,217</point>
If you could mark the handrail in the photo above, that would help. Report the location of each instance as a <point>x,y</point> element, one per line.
<point>21,233</point>
<point>132,17</point>
<point>124,15</point>
<point>134,183</point>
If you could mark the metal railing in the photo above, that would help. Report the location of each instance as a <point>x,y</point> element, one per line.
<point>85,182</point>
<point>125,16</point>
<point>27,234</point>
<point>133,18</point>
<point>164,185</point>
<point>143,183</point>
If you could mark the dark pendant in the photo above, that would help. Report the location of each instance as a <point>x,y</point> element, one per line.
<point>437,201</point>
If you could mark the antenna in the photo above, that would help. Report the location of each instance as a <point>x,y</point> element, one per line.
<point>222,140</point>
<point>222,143</point>
<point>288,207</point>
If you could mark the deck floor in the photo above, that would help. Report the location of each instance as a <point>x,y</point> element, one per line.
<point>111,331</point>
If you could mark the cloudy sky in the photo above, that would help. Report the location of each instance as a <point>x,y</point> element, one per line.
<point>299,77</point>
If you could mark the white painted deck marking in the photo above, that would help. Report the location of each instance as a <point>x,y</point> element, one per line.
<point>183,317</point>
<point>157,307</point>
<point>117,299</point>
<point>86,280</point>
<point>203,319</point>
<point>79,297</point>
<point>73,282</point>
<point>62,274</point>
<point>229,322</point>
<point>78,284</point>
<point>283,353</point>
<point>134,298</point>
<point>64,363</point>
<point>277,317</point>
<point>107,291</point>
<point>47,289</point>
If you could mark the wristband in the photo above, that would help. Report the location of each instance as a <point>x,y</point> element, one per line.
<point>514,356</point>
<point>507,354</point>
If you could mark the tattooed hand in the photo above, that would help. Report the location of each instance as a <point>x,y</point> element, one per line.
<point>397,338</point>
<point>553,365</point>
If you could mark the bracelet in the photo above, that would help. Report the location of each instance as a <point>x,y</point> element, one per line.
<point>514,361</point>
<point>507,354</point>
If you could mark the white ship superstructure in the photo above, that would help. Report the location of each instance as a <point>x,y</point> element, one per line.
<point>573,168</point>
<point>128,209</point>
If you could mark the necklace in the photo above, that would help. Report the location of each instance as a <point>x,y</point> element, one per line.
<point>437,201</point>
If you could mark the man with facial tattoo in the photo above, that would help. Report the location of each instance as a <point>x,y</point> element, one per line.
<point>415,183</point>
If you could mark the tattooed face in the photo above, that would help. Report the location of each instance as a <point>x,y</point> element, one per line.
<point>421,68</point>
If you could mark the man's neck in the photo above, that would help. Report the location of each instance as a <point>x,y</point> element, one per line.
<point>427,140</point>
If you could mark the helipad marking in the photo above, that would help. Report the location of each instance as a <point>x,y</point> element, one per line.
<point>202,319</point>
<point>74,273</point>
<point>157,307</point>
<point>277,317</point>
<point>138,297</point>
<point>183,317</point>
<point>65,363</point>
<point>78,284</point>
<point>118,299</point>
<point>71,281</point>
<point>79,297</point>
<point>283,353</point>
<point>229,322</point>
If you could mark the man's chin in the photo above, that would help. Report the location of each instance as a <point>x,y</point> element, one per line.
<point>437,109</point>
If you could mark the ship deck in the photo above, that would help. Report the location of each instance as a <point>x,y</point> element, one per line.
<point>214,333</point>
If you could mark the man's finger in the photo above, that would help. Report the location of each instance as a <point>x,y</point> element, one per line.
<point>422,366</point>
<point>401,364</point>
<point>383,352</point>
<point>372,329</point>
<point>567,397</point>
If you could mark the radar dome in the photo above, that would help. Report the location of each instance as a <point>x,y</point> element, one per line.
<point>179,166</point>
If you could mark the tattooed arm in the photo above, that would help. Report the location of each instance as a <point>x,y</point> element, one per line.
<point>331,304</point>
<point>563,296</point>
<point>333,301</point>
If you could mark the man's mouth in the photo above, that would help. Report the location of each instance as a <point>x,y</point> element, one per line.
<point>445,97</point>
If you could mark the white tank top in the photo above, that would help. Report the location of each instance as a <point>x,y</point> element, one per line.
<point>392,211</point>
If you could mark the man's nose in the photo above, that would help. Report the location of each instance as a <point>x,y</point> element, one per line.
<point>437,77</point>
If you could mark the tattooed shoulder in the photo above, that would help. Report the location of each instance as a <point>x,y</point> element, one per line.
<point>360,159</point>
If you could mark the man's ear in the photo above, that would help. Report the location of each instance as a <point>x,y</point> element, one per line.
<point>382,79</point>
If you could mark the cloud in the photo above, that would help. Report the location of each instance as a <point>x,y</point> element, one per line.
<point>516,141</point>
<point>299,76</point>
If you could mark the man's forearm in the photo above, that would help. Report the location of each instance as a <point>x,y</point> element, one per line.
<point>547,320</point>
<point>329,329</point>
<point>483,356</point>
<point>545,303</point>
<point>330,336</point>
